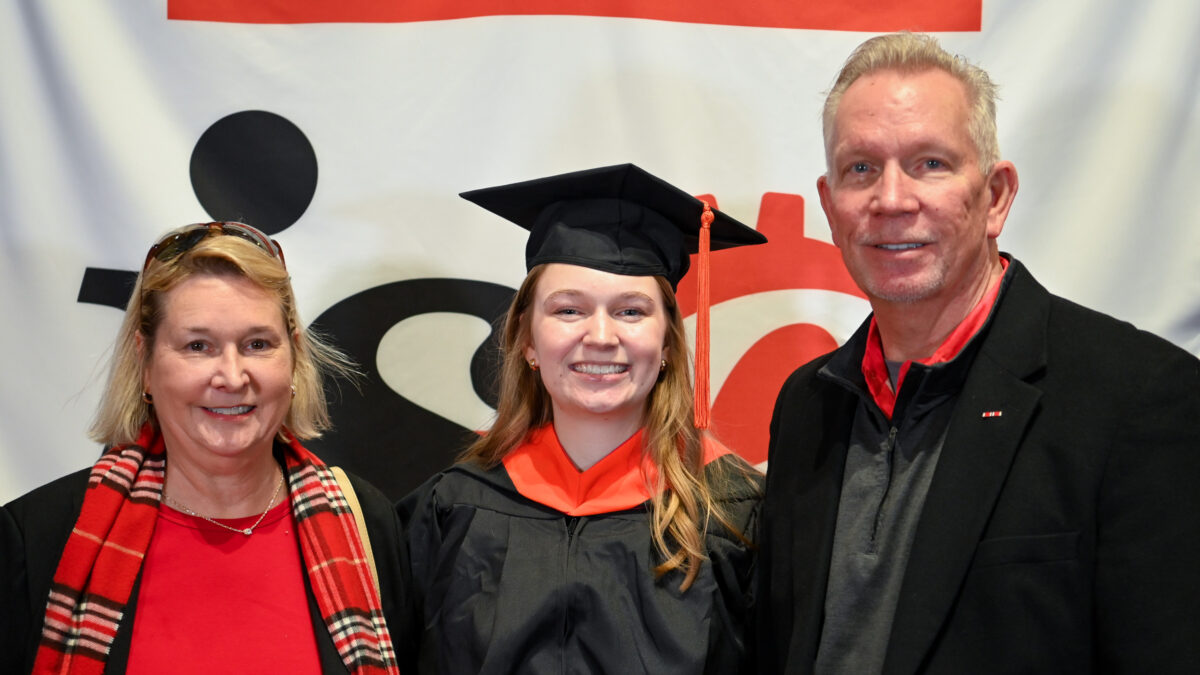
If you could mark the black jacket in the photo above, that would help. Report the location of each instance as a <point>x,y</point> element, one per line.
<point>1061,533</point>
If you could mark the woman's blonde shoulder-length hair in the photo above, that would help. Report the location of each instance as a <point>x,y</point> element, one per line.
<point>687,499</point>
<point>122,411</point>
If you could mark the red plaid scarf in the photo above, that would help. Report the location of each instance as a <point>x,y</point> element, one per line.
<point>104,553</point>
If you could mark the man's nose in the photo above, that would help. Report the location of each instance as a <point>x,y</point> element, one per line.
<point>894,191</point>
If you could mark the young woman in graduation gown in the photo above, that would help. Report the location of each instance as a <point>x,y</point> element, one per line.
<point>594,528</point>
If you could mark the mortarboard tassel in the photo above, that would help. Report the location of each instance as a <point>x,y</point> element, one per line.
<point>702,299</point>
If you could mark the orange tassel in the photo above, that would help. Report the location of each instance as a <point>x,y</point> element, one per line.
<point>702,412</point>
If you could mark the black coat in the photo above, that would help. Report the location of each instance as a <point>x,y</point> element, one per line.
<point>1061,536</point>
<point>34,529</point>
<point>508,585</point>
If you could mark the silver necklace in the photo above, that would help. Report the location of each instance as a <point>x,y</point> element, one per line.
<point>246,531</point>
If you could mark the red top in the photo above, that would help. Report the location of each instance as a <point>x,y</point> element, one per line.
<point>212,600</point>
<point>874,367</point>
<point>541,470</point>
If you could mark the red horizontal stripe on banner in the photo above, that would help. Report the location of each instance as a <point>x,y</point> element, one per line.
<point>847,15</point>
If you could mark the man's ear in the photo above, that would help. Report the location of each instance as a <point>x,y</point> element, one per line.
<point>1002,184</point>
<point>823,191</point>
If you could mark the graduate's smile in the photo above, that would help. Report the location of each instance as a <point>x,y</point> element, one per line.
<point>597,339</point>
<point>599,368</point>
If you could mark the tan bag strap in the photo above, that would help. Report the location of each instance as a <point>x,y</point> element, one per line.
<point>352,499</point>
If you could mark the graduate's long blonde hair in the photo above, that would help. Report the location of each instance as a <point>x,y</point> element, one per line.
<point>684,505</point>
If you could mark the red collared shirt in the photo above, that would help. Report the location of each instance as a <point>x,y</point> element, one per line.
<point>874,367</point>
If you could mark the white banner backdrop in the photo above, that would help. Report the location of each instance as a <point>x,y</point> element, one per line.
<point>105,106</point>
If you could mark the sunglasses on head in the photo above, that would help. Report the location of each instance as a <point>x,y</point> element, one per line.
<point>182,240</point>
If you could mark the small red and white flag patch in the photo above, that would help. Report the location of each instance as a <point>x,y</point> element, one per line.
<point>993,413</point>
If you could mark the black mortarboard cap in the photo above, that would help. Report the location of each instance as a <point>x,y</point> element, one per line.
<point>617,219</point>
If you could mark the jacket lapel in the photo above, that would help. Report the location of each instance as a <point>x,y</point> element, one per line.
<point>990,418</point>
<point>804,479</point>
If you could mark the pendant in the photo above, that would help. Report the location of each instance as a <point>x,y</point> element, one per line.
<point>247,532</point>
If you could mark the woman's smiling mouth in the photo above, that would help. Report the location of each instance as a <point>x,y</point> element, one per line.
<point>235,410</point>
<point>599,368</point>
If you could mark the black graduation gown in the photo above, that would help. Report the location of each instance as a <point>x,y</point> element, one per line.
<point>508,585</point>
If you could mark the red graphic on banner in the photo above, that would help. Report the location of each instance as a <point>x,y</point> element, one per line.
<point>877,16</point>
<point>741,413</point>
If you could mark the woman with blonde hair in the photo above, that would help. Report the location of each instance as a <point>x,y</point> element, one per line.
<point>594,527</point>
<point>206,538</point>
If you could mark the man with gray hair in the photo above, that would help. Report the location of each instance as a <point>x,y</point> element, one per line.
<point>985,477</point>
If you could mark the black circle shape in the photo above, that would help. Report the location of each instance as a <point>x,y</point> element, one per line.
<point>255,167</point>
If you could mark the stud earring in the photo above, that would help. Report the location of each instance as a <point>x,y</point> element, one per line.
<point>533,364</point>
<point>663,366</point>
<point>293,391</point>
<point>147,398</point>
